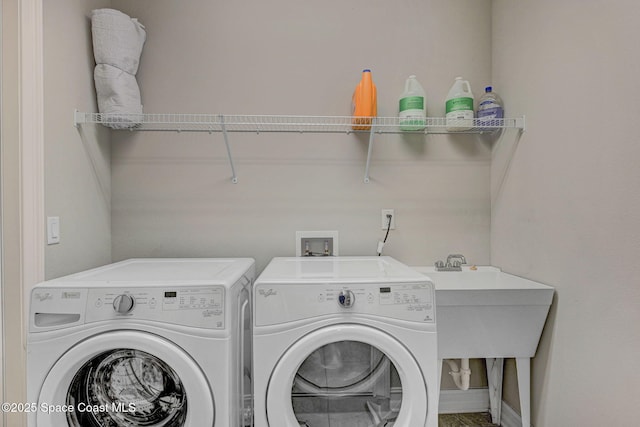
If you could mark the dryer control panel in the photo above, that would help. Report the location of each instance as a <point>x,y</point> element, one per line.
<point>198,306</point>
<point>281,303</point>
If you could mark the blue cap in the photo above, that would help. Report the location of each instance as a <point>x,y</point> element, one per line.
<point>488,89</point>
<point>366,70</point>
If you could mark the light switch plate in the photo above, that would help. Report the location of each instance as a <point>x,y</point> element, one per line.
<point>53,230</point>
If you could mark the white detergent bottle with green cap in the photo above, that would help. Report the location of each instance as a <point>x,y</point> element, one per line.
<point>459,107</point>
<point>412,111</point>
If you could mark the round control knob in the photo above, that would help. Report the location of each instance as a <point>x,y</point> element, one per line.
<point>123,303</point>
<point>346,299</point>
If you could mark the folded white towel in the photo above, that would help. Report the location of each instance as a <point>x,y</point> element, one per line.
<point>118,93</point>
<point>117,39</point>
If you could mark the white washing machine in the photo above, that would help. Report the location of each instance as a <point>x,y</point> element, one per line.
<point>142,342</point>
<point>344,342</point>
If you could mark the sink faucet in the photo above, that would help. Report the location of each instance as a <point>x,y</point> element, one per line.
<point>461,259</point>
<point>454,263</point>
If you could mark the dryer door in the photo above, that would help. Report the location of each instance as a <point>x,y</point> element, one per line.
<point>125,378</point>
<point>347,376</point>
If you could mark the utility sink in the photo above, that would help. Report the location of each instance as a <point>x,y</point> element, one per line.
<point>482,312</point>
<point>488,313</point>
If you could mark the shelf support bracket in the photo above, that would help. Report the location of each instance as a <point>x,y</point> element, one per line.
<point>369,151</point>
<point>234,178</point>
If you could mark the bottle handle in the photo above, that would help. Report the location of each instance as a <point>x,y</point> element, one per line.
<point>466,83</point>
<point>407,83</point>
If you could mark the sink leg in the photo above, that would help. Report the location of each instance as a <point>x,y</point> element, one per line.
<point>523,365</point>
<point>495,369</point>
<point>439,379</point>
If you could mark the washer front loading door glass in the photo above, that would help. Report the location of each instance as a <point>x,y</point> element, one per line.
<point>125,378</point>
<point>135,387</point>
<point>347,376</point>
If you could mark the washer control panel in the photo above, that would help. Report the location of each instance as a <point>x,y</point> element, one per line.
<point>197,306</point>
<point>281,303</point>
<point>190,306</point>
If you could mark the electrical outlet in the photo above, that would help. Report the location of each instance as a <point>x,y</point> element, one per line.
<point>385,219</point>
<point>316,243</point>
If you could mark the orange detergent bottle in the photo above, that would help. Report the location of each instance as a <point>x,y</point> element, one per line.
<point>364,103</point>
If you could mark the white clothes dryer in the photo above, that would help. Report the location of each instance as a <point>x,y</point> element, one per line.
<point>344,342</point>
<point>142,342</point>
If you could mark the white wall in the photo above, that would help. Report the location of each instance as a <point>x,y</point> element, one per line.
<point>566,214</point>
<point>568,211</point>
<point>171,193</point>
<point>13,384</point>
<point>77,170</point>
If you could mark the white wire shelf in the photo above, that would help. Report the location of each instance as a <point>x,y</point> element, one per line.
<point>264,123</point>
<point>225,124</point>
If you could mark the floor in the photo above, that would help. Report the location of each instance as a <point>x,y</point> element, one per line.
<point>465,420</point>
<point>362,420</point>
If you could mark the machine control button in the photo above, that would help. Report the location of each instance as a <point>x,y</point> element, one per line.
<point>123,303</point>
<point>346,298</point>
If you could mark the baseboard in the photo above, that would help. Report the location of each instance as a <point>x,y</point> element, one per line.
<point>459,401</point>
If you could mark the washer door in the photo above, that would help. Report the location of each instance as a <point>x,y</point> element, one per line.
<point>347,376</point>
<point>125,378</point>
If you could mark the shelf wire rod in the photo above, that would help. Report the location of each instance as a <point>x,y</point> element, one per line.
<point>234,178</point>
